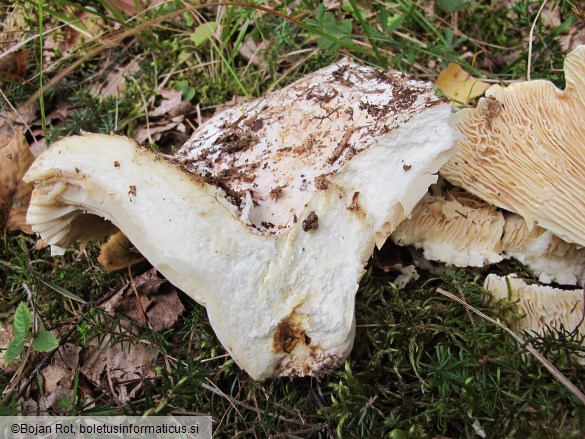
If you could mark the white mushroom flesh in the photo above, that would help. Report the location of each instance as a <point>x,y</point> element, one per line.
<point>547,255</point>
<point>352,149</point>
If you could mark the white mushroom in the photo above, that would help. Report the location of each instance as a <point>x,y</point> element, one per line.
<point>523,150</point>
<point>456,229</point>
<point>547,255</point>
<point>541,305</point>
<point>269,213</point>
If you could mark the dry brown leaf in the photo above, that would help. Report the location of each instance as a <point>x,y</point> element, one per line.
<point>67,356</point>
<point>571,37</point>
<point>120,366</point>
<point>58,377</point>
<point>171,99</point>
<point>60,112</point>
<point>250,50</point>
<point>118,252</point>
<point>53,376</point>
<point>460,86</point>
<point>24,115</point>
<point>115,81</point>
<point>15,159</point>
<point>94,25</point>
<point>5,338</point>
<point>158,300</point>
<point>13,66</point>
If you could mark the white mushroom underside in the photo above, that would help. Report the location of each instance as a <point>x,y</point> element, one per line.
<point>281,303</point>
<point>461,230</point>
<point>541,306</point>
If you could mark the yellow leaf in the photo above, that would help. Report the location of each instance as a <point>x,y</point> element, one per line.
<point>460,86</point>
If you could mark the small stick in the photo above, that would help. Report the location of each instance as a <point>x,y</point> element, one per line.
<point>530,37</point>
<point>551,368</point>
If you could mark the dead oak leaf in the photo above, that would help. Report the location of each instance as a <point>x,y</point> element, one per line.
<point>159,304</point>
<point>15,159</point>
<point>120,366</point>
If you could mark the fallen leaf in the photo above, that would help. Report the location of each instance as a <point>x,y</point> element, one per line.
<point>60,112</point>
<point>13,66</point>
<point>115,81</point>
<point>460,86</point>
<point>158,300</point>
<point>5,338</point>
<point>570,38</point>
<point>120,366</point>
<point>15,159</point>
<point>171,99</point>
<point>55,400</point>
<point>251,49</point>
<point>53,376</point>
<point>23,115</point>
<point>67,356</point>
<point>88,26</point>
<point>118,252</point>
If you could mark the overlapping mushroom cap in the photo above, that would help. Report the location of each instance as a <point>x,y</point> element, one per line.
<point>523,149</point>
<point>456,228</point>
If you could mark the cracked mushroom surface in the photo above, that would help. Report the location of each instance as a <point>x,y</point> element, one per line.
<point>269,213</point>
<point>523,149</point>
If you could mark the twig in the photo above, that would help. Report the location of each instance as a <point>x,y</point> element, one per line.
<point>551,368</point>
<point>530,36</point>
<point>233,401</point>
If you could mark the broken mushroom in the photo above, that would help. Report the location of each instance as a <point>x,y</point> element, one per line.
<point>522,149</point>
<point>459,229</point>
<point>277,274</point>
<point>548,256</point>
<point>456,229</point>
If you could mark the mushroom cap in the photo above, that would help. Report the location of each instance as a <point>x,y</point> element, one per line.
<point>272,154</point>
<point>541,305</point>
<point>548,256</point>
<point>276,270</point>
<point>523,149</point>
<point>455,229</point>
